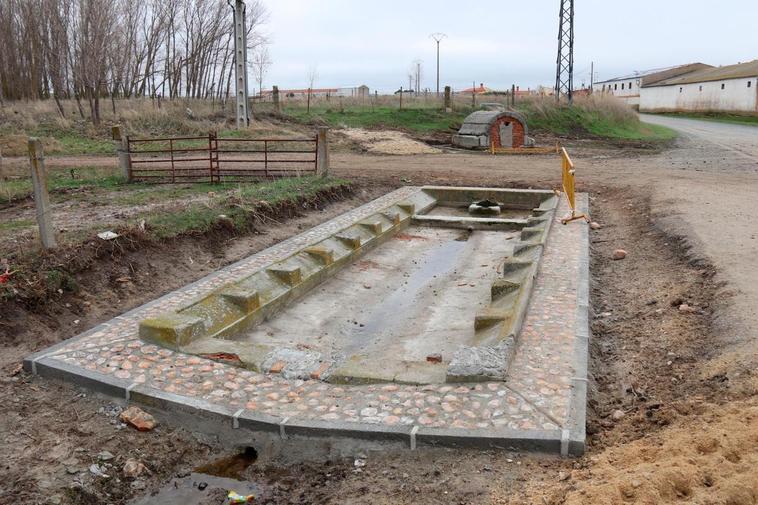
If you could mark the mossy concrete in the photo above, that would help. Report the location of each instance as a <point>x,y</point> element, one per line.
<point>236,315</point>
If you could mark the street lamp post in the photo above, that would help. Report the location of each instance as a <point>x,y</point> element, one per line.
<point>437,38</point>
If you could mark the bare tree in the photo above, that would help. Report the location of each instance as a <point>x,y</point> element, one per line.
<point>93,49</point>
<point>261,64</point>
<point>312,77</point>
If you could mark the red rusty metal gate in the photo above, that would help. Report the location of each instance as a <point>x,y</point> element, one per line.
<point>214,159</point>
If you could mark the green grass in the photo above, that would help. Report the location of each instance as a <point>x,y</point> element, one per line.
<point>721,117</point>
<point>59,180</point>
<point>72,141</point>
<point>142,194</point>
<point>16,224</point>
<point>420,120</point>
<point>588,119</point>
<point>234,202</point>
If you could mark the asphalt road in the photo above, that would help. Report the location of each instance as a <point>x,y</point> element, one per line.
<point>742,140</point>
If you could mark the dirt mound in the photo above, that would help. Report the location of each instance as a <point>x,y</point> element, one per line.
<point>709,457</point>
<point>388,142</point>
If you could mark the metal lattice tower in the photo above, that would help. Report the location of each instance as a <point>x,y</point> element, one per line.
<point>564,73</point>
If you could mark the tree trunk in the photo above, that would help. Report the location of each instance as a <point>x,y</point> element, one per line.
<point>59,104</point>
<point>79,103</point>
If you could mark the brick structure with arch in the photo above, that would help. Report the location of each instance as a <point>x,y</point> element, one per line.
<point>506,129</point>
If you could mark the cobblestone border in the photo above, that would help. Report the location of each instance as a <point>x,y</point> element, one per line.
<point>568,439</point>
<point>574,436</point>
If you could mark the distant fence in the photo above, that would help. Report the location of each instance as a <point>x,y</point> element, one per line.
<point>219,159</point>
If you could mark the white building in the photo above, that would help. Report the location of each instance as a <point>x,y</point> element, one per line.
<point>354,91</point>
<point>732,88</point>
<point>628,87</point>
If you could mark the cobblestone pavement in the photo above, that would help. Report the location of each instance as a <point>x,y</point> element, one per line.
<point>536,396</point>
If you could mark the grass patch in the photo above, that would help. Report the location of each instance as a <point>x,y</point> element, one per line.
<point>596,116</point>
<point>721,117</point>
<point>422,120</point>
<point>234,202</point>
<point>60,180</point>
<point>142,194</point>
<point>16,224</point>
<point>71,141</point>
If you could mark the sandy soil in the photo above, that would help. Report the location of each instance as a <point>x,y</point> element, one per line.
<point>387,142</point>
<point>672,407</point>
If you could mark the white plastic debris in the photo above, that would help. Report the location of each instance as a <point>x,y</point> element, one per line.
<point>107,235</point>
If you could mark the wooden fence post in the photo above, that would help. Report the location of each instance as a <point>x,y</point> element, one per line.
<point>3,176</point>
<point>448,107</point>
<point>322,152</point>
<point>122,151</point>
<point>41,196</point>
<point>277,105</point>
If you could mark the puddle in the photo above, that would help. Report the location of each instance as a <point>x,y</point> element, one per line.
<point>207,484</point>
<point>187,491</point>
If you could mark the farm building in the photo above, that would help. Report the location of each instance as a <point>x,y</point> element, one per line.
<point>627,87</point>
<point>479,90</point>
<point>732,88</point>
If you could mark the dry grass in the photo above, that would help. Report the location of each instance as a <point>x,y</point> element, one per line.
<point>140,117</point>
<point>599,116</point>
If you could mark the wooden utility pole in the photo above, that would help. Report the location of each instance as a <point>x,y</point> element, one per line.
<point>513,95</point>
<point>41,196</point>
<point>473,95</point>
<point>401,98</point>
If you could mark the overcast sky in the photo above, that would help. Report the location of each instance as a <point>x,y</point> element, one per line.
<point>498,43</point>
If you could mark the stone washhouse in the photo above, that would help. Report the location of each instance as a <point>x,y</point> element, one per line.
<point>506,129</point>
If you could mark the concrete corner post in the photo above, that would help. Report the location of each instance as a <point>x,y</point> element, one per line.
<point>41,196</point>
<point>122,151</point>
<point>322,152</point>
<point>240,65</point>
<point>277,105</point>
<point>448,104</point>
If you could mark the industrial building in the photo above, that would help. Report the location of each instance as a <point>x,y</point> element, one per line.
<point>627,87</point>
<point>732,88</point>
<point>695,87</point>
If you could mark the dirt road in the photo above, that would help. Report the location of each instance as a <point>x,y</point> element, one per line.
<point>740,139</point>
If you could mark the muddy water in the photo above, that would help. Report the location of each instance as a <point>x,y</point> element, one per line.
<point>209,484</point>
<point>187,491</point>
